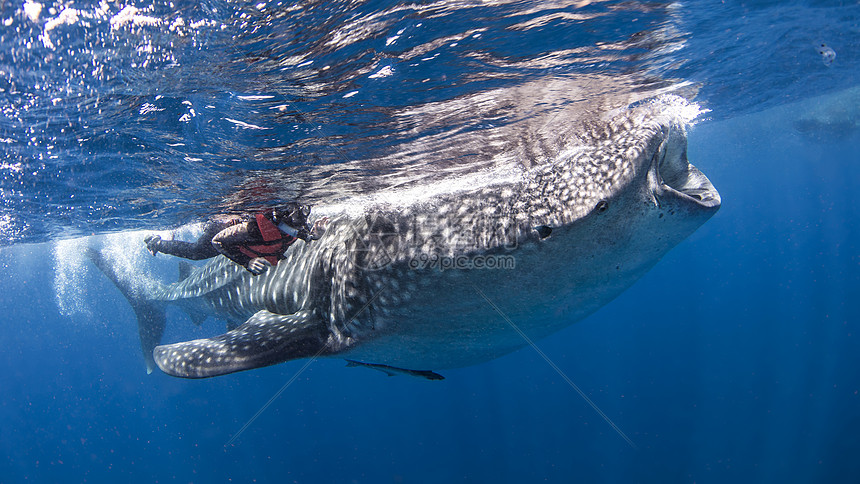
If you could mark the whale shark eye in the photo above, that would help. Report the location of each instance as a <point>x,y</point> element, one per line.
<point>601,206</point>
<point>543,231</point>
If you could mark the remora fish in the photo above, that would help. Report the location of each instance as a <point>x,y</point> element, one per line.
<point>422,284</point>
<point>393,370</point>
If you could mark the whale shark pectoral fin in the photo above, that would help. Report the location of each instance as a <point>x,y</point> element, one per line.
<point>265,339</point>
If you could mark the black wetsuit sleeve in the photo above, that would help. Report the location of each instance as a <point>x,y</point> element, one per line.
<point>199,250</point>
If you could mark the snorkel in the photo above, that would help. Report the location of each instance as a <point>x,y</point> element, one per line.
<point>286,229</point>
<point>293,221</point>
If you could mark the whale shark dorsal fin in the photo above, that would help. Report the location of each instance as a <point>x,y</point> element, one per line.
<point>197,317</point>
<point>185,269</point>
<point>265,339</point>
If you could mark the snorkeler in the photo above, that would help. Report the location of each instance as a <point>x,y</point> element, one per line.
<point>254,242</point>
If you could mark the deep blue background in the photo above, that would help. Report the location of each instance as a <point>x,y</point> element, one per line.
<point>734,360</point>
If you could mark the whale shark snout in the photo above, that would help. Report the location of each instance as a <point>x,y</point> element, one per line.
<point>672,175</point>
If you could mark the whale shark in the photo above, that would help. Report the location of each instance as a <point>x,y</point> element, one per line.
<point>418,283</point>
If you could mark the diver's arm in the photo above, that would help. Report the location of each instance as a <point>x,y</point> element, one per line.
<point>228,241</point>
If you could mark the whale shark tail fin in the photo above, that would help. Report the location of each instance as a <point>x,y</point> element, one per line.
<point>265,339</point>
<point>150,313</point>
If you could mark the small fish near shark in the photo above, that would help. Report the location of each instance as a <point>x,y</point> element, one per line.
<point>424,282</point>
<point>393,370</point>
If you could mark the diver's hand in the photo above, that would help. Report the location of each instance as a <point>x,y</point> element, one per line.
<point>153,243</point>
<point>258,266</point>
<point>319,228</point>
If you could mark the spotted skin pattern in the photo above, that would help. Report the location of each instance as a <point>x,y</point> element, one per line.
<point>565,236</point>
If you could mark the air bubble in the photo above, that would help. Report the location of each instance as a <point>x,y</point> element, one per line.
<point>827,54</point>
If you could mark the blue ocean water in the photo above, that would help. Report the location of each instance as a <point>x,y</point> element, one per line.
<point>734,360</point>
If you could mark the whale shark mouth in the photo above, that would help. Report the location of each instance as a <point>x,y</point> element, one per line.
<point>672,173</point>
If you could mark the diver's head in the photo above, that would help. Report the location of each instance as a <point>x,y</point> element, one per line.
<point>293,215</point>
